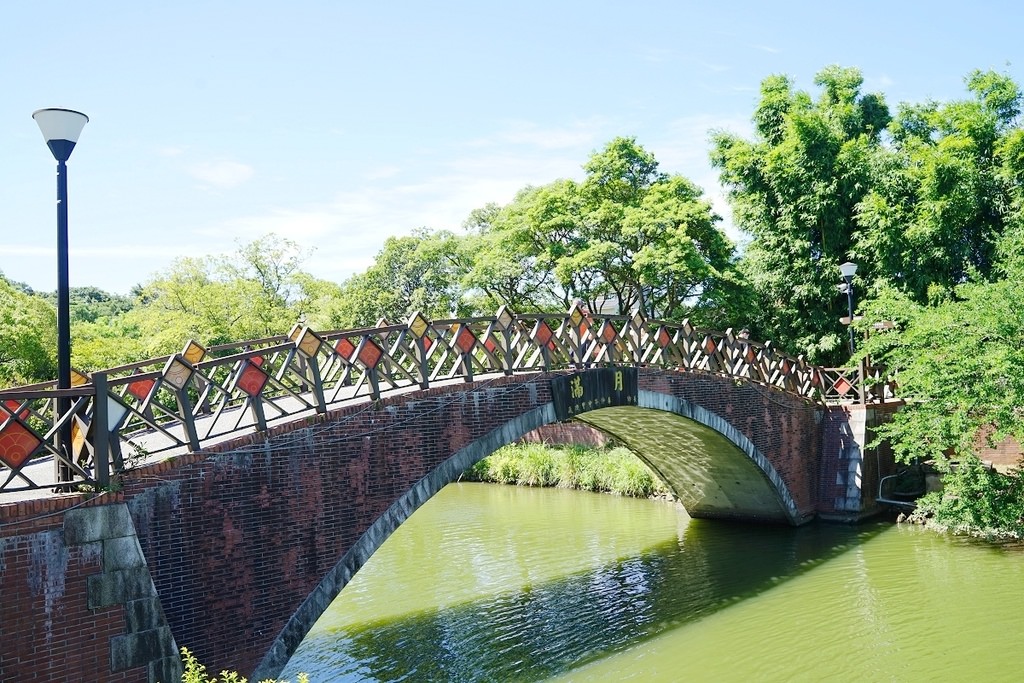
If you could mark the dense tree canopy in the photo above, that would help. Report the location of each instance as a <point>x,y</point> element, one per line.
<point>941,194</point>
<point>259,291</point>
<point>627,237</point>
<point>795,189</point>
<point>419,272</point>
<point>28,336</point>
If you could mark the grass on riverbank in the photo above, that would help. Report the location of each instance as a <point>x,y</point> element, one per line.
<point>613,470</point>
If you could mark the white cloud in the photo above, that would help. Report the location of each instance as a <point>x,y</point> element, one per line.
<point>579,133</point>
<point>221,174</point>
<point>657,55</point>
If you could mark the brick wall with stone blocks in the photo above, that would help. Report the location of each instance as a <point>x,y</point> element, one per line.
<point>241,537</point>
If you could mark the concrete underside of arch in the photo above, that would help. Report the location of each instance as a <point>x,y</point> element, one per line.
<point>712,468</point>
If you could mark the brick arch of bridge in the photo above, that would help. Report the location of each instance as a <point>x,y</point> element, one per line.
<point>247,545</point>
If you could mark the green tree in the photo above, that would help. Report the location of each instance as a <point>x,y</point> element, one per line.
<point>419,272</point>
<point>259,291</point>
<point>795,189</point>
<point>28,337</point>
<point>627,235</point>
<point>942,193</point>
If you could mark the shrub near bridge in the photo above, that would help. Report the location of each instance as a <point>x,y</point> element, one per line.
<point>614,470</point>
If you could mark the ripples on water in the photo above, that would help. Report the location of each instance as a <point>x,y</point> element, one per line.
<point>492,583</point>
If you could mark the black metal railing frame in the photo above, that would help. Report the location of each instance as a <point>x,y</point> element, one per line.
<point>179,403</point>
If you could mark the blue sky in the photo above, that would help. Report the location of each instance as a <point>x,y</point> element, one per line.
<point>337,124</point>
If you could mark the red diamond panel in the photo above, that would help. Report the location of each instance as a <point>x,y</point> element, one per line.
<point>608,334</point>
<point>256,360</point>
<point>140,388</point>
<point>709,345</point>
<point>17,442</point>
<point>664,338</point>
<point>843,386</point>
<point>13,405</point>
<point>465,340</point>
<point>252,379</point>
<point>427,343</point>
<point>490,345</point>
<point>345,349</point>
<point>370,354</point>
<point>543,334</point>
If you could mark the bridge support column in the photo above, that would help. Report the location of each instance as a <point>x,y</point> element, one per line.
<point>850,471</point>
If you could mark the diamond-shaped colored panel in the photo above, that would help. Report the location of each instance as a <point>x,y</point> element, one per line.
<point>418,325</point>
<point>79,430</point>
<point>370,354</point>
<point>427,343</point>
<point>465,340</point>
<point>140,388</point>
<point>504,318</point>
<point>490,345</point>
<point>709,345</point>
<point>308,342</point>
<point>345,348</point>
<point>608,332</point>
<point>576,315</point>
<point>542,333</point>
<point>252,379</point>
<point>664,338</point>
<point>13,406</point>
<point>17,443</point>
<point>193,352</point>
<point>843,386</point>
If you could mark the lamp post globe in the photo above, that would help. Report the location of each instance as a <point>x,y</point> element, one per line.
<point>60,129</point>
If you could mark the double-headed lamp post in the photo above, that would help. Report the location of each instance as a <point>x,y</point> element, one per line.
<point>61,128</point>
<point>848,270</point>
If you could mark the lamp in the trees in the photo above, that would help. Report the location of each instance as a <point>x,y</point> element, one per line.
<point>61,128</point>
<point>848,270</point>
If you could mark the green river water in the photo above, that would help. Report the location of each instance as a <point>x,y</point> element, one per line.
<point>500,583</point>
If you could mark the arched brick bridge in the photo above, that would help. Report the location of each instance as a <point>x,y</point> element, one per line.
<point>235,548</point>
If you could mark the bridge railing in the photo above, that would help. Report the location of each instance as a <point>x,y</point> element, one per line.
<point>159,406</point>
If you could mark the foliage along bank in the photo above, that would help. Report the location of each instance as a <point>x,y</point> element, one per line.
<point>612,470</point>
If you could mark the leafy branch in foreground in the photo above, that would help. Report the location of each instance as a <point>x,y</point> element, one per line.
<point>196,673</point>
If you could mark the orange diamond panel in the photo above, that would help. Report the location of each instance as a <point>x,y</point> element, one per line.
<point>490,345</point>
<point>843,386</point>
<point>345,349</point>
<point>140,388</point>
<point>608,333</point>
<point>370,354</point>
<point>17,443</point>
<point>465,340</point>
<point>664,338</point>
<point>543,333</point>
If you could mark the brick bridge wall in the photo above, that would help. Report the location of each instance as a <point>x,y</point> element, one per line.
<point>237,538</point>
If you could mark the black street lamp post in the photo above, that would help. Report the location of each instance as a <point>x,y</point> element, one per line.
<point>61,128</point>
<point>848,270</point>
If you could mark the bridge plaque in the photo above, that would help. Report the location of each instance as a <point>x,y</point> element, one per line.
<point>592,389</point>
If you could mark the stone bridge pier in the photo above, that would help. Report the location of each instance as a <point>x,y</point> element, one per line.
<point>236,550</point>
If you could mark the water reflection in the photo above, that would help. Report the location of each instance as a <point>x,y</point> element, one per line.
<point>544,628</point>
